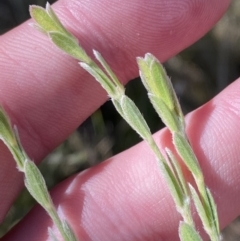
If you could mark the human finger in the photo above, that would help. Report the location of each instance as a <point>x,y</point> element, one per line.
<point>46,93</point>
<point>126,197</point>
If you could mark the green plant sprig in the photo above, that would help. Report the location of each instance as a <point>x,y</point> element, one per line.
<point>163,99</point>
<point>34,180</point>
<point>125,106</point>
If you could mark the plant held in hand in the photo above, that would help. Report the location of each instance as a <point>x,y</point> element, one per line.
<point>164,101</point>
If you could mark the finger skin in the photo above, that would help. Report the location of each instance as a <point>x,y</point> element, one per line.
<point>45,92</point>
<point>126,198</point>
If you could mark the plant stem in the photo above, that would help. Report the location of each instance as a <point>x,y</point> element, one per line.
<point>57,221</point>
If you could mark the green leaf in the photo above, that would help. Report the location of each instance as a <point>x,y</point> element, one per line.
<point>156,79</point>
<point>19,146</point>
<point>214,213</point>
<point>18,152</point>
<point>188,233</point>
<point>6,132</point>
<point>174,187</point>
<point>202,212</point>
<point>163,86</point>
<point>118,107</point>
<point>36,185</point>
<point>186,153</point>
<point>145,74</point>
<point>69,46</point>
<point>109,71</point>
<point>177,171</point>
<point>55,19</point>
<point>10,138</point>
<point>44,21</point>
<point>158,84</point>
<point>168,117</point>
<point>134,117</point>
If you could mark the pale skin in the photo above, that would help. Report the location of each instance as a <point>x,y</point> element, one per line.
<point>47,96</point>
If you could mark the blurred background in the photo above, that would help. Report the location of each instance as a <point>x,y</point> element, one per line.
<point>198,73</point>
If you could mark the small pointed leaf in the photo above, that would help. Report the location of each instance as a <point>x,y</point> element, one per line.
<point>109,71</point>
<point>55,19</point>
<point>157,83</point>
<point>36,185</point>
<point>186,153</point>
<point>174,187</point>
<point>177,170</point>
<point>145,73</point>
<point>161,85</point>
<point>69,46</point>
<point>168,117</point>
<point>118,107</point>
<point>188,233</point>
<point>43,19</point>
<point>6,132</point>
<point>201,210</point>
<point>11,140</point>
<point>213,211</point>
<point>134,117</point>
